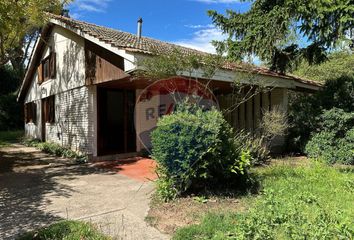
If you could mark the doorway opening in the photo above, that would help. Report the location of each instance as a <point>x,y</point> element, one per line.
<point>116,131</point>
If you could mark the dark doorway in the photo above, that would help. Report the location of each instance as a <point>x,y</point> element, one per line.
<point>43,122</point>
<point>116,132</point>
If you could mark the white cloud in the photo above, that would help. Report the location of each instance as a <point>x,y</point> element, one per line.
<point>199,26</point>
<point>75,15</point>
<point>90,5</point>
<point>218,1</point>
<point>201,39</point>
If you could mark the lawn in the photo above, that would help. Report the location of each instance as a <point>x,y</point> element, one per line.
<point>8,137</point>
<point>65,230</point>
<point>296,201</point>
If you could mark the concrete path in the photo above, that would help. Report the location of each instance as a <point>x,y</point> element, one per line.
<point>36,189</point>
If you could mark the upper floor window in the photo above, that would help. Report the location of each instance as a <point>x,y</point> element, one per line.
<point>45,64</point>
<point>47,68</point>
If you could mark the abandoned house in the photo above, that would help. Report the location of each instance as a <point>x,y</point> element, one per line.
<point>79,92</point>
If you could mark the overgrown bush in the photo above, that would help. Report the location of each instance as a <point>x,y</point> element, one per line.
<point>305,110</point>
<point>257,145</point>
<point>333,141</point>
<point>54,149</point>
<point>194,147</point>
<point>274,123</point>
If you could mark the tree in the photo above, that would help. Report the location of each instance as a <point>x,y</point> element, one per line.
<point>271,28</point>
<point>19,24</point>
<point>11,116</point>
<point>339,64</point>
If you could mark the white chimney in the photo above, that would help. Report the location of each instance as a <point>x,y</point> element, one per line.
<point>140,24</point>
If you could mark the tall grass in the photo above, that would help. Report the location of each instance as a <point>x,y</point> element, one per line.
<point>306,202</point>
<point>65,230</point>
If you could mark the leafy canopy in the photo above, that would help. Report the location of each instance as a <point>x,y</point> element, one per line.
<point>177,63</point>
<point>270,30</point>
<point>339,64</point>
<point>17,18</point>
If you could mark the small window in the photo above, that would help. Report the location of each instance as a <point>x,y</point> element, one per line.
<point>47,68</point>
<point>49,109</point>
<point>31,112</point>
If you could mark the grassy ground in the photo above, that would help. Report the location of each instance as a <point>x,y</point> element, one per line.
<point>300,200</point>
<point>8,137</point>
<point>66,230</point>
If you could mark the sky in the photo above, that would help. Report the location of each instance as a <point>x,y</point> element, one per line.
<point>184,22</point>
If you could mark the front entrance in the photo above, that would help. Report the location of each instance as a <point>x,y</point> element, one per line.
<point>116,131</point>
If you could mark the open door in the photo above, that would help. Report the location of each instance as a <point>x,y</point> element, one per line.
<point>116,131</point>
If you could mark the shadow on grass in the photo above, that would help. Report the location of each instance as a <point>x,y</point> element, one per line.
<point>244,185</point>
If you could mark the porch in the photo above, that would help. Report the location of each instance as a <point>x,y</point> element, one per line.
<point>121,124</point>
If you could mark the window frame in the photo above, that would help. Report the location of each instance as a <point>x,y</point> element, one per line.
<point>47,68</point>
<point>46,64</point>
<point>49,109</point>
<point>30,112</point>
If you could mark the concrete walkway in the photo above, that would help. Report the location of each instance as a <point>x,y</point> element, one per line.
<point>36,189</point>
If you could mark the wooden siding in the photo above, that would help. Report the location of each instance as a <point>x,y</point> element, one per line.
<point>249,114</point>
<point>102,65</point>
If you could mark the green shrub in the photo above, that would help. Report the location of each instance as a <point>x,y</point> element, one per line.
<point>166,188</point>
<point>256,145</point>
<point>334,140</point>
<point>305,110</point>
<point>54,149</point>
<point>194,147</point>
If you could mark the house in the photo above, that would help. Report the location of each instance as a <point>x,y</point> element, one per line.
<point>78,90</point>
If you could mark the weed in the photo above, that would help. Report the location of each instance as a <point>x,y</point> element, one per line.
<point>70,230</point>
<point>55,149</point>
<point>306,202</point>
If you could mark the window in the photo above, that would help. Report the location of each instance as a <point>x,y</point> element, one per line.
<point>30,112</point>
<point>47,68</point>
<point>49,109</point>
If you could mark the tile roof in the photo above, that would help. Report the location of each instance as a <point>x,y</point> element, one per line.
<point>132,43</point>
<point>125,40</point>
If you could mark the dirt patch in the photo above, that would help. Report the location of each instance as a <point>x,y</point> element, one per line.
<point>168,217</point>
<point>291,161</point>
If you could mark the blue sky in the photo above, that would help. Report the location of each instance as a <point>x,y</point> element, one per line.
<point>184,22</point>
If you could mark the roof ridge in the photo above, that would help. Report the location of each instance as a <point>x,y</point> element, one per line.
<point>131,34</point>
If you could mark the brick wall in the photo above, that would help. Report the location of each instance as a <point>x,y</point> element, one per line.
<point>73,124</point>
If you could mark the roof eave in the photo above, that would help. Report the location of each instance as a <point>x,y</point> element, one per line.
<point>35,57</point>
